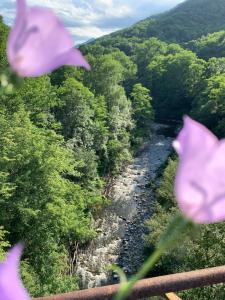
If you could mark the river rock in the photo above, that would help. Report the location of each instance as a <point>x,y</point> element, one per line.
<point>122,225</point>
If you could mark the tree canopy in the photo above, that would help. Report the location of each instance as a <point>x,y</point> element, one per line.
<point>63,136</point>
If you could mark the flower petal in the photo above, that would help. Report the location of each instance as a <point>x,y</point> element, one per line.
<point>43,45</point>
<point>196,184</point>
<point>75,57</point>
<point>21,7</point>
<point>11,287</point>
<point>17,30</point>
<point>214,180</point>
<point>193,138</point>
<point>72,57</point>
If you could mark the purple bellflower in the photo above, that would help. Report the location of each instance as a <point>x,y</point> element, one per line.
<point>200,178</point>
<point>39,43</point>
<point>11,287</point>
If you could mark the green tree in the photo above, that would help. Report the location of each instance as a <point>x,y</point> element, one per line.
<point>174,80</point>
<point>129,69</point>
<point>4,31</point>
<point>3,242</point>
<point>38,204</point>
<point>74,113</point>
<point>211,45</point>
<point>106,72</point>
<point>142,114</point>
<point>209,106</point>
<point>105,80</point>
<point>36,96</point>
<point>145,53</point>
<point>141,104</point>
<point>188,21</point>
<point>215,66</point>
<point>120,124</point>
<point>83,120</point>
<point>66,72</point>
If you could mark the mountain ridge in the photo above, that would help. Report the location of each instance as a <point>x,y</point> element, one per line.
<point>189,20</point>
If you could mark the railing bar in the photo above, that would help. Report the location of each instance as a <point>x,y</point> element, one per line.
<point>152,286</point>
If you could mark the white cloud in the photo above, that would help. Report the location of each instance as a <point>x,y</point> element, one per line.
<point>86,33</point>
<point>89,32</point>
<point>93,18</point>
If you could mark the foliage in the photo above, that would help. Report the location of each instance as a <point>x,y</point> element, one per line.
<point>143,114</point>
<point>141,104</point>
<point>3,243</point>
<point>4,30</point>
<point>74,113</point>
<point>60,136</point>
<point>35,195</point>
<point>209,106</point>
<point>188,21</point>
<point>146,51</point>
<point>174,80</point>
<point>63,135</point>
<point>36,96</point>
<point>106,80</point>
<point>215,66</point>
<point>211,45</point>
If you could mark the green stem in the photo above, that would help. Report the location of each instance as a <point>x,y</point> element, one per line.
<point>126,287</point>
<point>168,240</point>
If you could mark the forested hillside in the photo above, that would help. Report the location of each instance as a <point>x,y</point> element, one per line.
<point>63,136</point>
<point>189,20</point>
<point>211,45</point>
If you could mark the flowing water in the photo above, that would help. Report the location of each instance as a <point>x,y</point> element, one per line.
<point>122,225</point>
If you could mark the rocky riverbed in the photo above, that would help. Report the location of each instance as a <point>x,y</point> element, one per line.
<point>121,226</point>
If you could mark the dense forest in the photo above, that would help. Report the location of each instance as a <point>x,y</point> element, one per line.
<point>188,21</point>
<point>63,136</point>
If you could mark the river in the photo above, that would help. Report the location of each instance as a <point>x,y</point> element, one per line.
<point>122,225</point>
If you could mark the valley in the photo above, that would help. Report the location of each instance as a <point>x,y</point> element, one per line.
<point>121,228</point>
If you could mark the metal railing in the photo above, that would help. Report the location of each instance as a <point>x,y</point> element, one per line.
<point>156,286</point>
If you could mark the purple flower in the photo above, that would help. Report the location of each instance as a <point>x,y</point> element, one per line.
<point>200,179</point>
<point>39,43</point>
<point>11,287</point>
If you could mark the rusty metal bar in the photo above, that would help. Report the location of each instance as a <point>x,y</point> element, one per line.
<point>152,286</point>
<point>172,296</point>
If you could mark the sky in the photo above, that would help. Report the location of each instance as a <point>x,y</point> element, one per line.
<point>88,19</point>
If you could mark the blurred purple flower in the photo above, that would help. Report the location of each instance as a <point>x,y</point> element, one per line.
<point>11,287</point>
<point>200,179</point>
<point>39,43</point>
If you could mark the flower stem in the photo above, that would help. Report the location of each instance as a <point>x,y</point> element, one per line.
<point>168,240</point>
<point>126,287</point>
